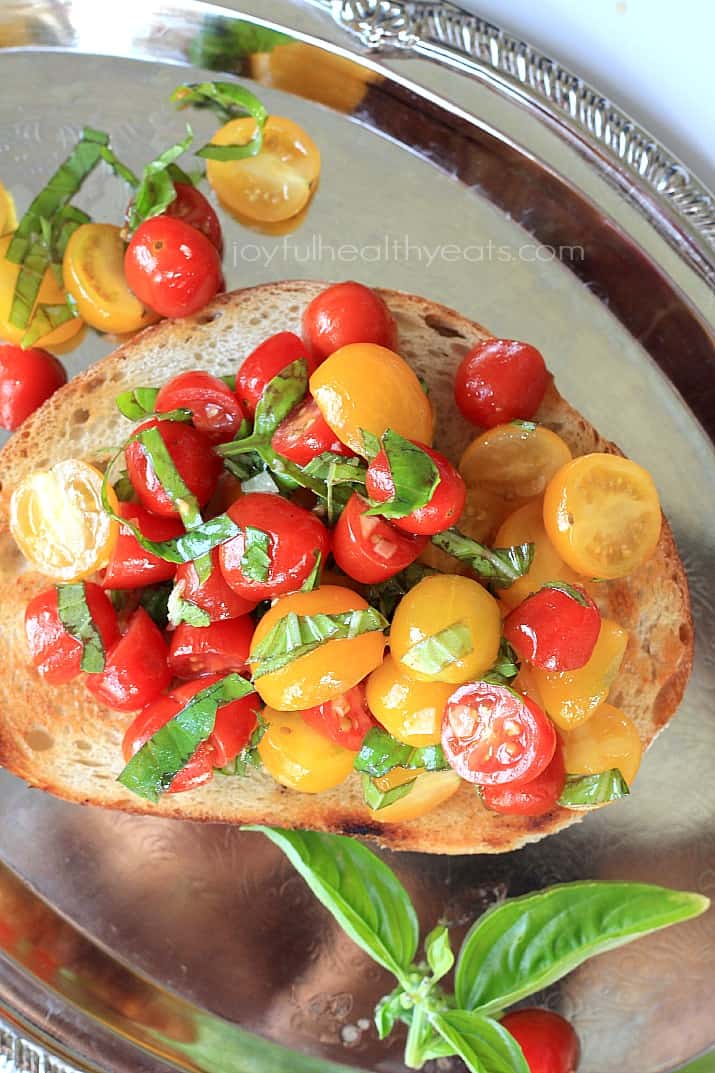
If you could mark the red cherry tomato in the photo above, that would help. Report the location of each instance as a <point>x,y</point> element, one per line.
<point>27,379</point>
<point>235,721</point>
<point>136,670</point>
<point>492,735</point>
<point>191,453</point>
<point>344,720</point>
<point>215,596</point>
<point>347,313</point>
<point>555,629</point>
<point>369,549</point>
<point>55,652</point>
<point>265,362</point>
<point>500,380</point>
<point>534,798</point>
<point>548,1041</point>
<point>305,434</point>
<point>216,411</point>
<point>443,509</point>
<point>199,769</point>
<point>171,267</point>
<point>131,566</point>
<point>295,536</point>
<point>220,647</point>
<point>194,209</point>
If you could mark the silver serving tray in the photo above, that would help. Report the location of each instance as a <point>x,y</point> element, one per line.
<point>145,944</point>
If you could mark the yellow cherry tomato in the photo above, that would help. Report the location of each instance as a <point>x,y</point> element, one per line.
<point>58,522</point>
<point>602,514</point>
<point>430,791</point>
<point>8,220</point>
<point>275,184</point>
<point>409,709</point>
<point>571,697</point>
<point>330,669</point>
<point>301,758</point>
<point>526,525</point>
<point>435,604</point>
<point>50,294</point>
<point>93,271</point>
<point>609,739</point>
<point>319,75</point>
<point>366,386</point>
<point>514,461</point>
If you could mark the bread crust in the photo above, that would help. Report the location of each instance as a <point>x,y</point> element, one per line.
<point>60,740</point>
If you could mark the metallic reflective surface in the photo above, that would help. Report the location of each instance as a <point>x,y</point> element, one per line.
<point>432,200</point>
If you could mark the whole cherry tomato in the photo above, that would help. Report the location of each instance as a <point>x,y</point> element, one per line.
<point>135,671</point>
<point>500,380</point>
<point>555,629</point>
<point>235,721</point>
<point>534,798</point>
<point>220,647</point>
<point>216,412</point>
<point>27,379</point>
<point>305,434</point>
<point>198,770</point>
<point>492,735</point>
<point>347,313</point>
<point>445,505</point>
<point>195,462</point>
<point>131,566</point>
<point>215,596</point>
<point>282,556</point>
<point>172,267</point>
<point>548,1041</point>
<point>194,209</point>
<point>344,720</point>
<point>369,549</point>
<point>55,652</point>
<point>264,363</point>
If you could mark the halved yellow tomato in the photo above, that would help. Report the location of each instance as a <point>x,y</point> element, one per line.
<point>514,461</point>
<point>608,739</point>
<point>602,514</point>
<point>315,73</point>
<point>526,525</point>
<point>50,294</point>
<point>409,709</point>
<point>58,522</point>
<point>93,270</point>
<point>430,791</point>
<point>300,757</point>
<point>275,184</point>
<point>8,219</point>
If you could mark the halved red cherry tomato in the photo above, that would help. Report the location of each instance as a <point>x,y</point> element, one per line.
<point>265,362</point>
<point>27,379</point>
<point>191,453</point>
<point>555,629</point>
<point>492,735</point>
<point>216,412</point>
<point>295,537</point>
<point>549,1042</point>
<point>305,434</point>
<point>55,652</point>
<point>194,209</point>
<point>136,670</point>
<point>347,313</point>
<point>131,566</point>
<point>500,380</point>
<point>199,769</point>
<point>171,267</point>
<point>369,549</point>
<point>220,647</point>
<point>443,509</point>
<point>235,721</point>
<point>344,720</point>
<point>534,798</point>
<point>215,596</point>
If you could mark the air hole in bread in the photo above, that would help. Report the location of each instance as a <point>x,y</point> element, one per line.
<point>83,745</point>
<point>207,318</point>
<point>684,633</point>
<point>438,325</point>
<point>39,740</point>
<point>80,417</point>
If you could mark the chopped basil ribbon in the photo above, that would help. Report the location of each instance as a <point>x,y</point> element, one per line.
<point>527,426</point>
<point>576,594</point>
<point>506,667</point>
<point>219,44</point>
<point>169,477</point>
<point>151,770</point>
<point>380,753</point>
<point>342,477</point>
<point>249,758</point>
<point>156,190</point>
<point>228,100</point>
<point>432,654</point>
<point>585,791</point>
<point>371,444</point>
<point>256,560</point>
<point>387,594</point>
<point>313,579</point>
<point>229,381</point>
<point>155,601</point>
<point>377,799</point>
<point>414,477</point>
<point>181,610</point>
<point>203,567</point>
<point>74,614</point>
<point>501,566</point>
<point>294,636</point>
<point>279,397</point>
<point>45,319</point>
<point>121,170</point>
<point>137,403</point>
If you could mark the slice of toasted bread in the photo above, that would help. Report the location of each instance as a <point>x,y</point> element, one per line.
<point>61,740</point>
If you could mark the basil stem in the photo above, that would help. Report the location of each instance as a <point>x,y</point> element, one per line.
<point>294,636</point>
<point>501,566</point>
<point>414,477</point>
<point>432,654</point>
<point>74,614</point>
<point>228,100</point>
<point>586,791</point>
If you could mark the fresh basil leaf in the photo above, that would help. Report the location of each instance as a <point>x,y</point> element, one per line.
<point>341,476</point>
<point>256,558</point>
<point>220,44</point>
<point>414,477</point>
<point>228,100</point>
<point>377,799</point>
<point>363,894</point>
<point>387,594</point>
<point>28,283</point>
<point>279,397</point>
<point>506,667</point>
<point>527,426</point>
<point>586,791</point>
<point>438,951</point>
<point>169,477</point>
<point>370,443</point>
<point>124,489</point>
<point>181,610</point>
<point>155,601</point>
<point>313,579</point>
<point>156,190</point>
<point>483,1044</point>
<point>294,636</point>
<point>74,614</point>
<point>380,753</point>
<point>45,319</point>
<point>576,594</point>
<point>249,758</point>
<point>261,482</point>
<point>151,770</point>
<point>229,380</point>
<point>121,170</point>
<point>501,566</point>
<point>525,944</point>
<point>203,565</point>
<point>137,403</point>
<point>432,654</point>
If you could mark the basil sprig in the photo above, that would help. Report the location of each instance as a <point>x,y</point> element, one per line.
<point>74,614</point>
<point>586,791</point>
<point>414,477</point>
<point>501,566</point>
<point>514,950</point>
<point>377,799</point>
<point>294,636</point>
<point>156,190</point>
<point>380,753</point>
<point>432,654</point>
<point>228,100</point>
<point>150,771</point>
<point>169,477</point>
